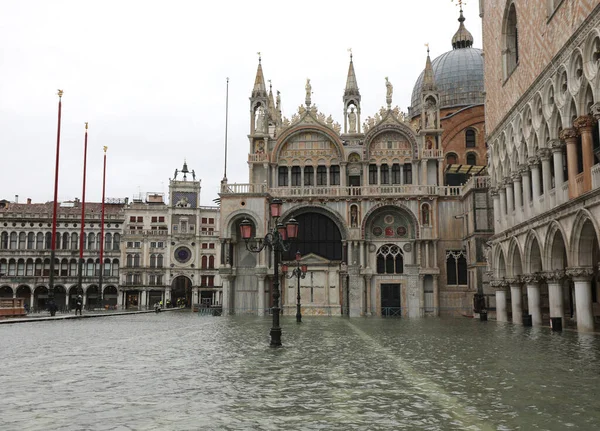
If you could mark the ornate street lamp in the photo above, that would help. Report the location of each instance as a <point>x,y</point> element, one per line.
<point>298,272</point>
<point>277,239</point>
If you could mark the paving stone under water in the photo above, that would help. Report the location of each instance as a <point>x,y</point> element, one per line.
<point>181,371</point>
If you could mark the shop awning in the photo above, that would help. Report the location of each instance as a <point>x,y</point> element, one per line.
<point>466,169</point>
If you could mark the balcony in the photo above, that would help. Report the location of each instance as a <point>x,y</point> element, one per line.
<point>147,232</point>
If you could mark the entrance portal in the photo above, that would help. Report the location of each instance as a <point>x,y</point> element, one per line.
<point>390,300</point>
<point>181,292</point>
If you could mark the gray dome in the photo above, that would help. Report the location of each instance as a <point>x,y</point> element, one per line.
<point>458,77</point>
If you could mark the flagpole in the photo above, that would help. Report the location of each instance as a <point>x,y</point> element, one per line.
<point>81,230</point>
<point>102,231</point>
<point>226,118</point>
<point>51,305</point>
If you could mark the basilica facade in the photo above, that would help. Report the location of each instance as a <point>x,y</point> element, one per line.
<point>392,215</point>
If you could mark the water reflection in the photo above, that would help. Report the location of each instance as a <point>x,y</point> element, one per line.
<point>183,371</point>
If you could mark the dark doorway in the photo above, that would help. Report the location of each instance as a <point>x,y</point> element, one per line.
<point>390,300</point>
<point>181,292</point>
<point>206,298</point>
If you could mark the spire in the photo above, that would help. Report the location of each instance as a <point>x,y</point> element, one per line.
<point>351,85</point>
<point>428,80</point>
<point>272,110</point>
<point>462,38</point>
<point>259,82</point>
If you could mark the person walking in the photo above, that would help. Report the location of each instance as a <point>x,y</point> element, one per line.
<point>79,305</point>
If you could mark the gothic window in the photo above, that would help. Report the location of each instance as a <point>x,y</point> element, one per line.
<point>13,241</point>
<point>451,159</point>
<point>321,175</point>
<point>116,241</point>
<point>471,159</point>
<point>395,173</point>
<point>317,234</point>
<point>204,262</point>
<point>390,260</point>
<point>334,173</point>
<point>115,267</point>
<point>407,173</point>
<point>4,241</point>
<point>48,240</point>
<point>309,174</point>
<point>152,261</point>
<point>211,262</point>
<point>30,241</point>
<point>470,138</point>
<point>296,176</point>
<point>511,41</point>
<point>385,174</point>
<point>456,267</point>
<point>159,261</point>
<point>372,174</point>
<point>22,241</point>
<point>283,176</point>
<point>39,241</point>
<point>107,241</point>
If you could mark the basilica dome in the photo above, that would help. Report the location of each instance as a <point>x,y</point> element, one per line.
<point>458,74</point>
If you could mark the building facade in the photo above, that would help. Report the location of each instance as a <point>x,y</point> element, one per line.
<point>380,229</point>
<point>542,82</point>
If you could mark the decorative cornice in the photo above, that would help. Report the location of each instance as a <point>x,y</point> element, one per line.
<point>567,134</point>
<point>516,281</point>
<point>499,284</point>
<point>584,123</point>
<point>582,273</point>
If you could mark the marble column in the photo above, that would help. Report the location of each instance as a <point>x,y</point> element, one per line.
<point>501,313</point>
<point>555,293</point>
<point>533,298</point>
<point>424,172</point>
<point>570,137</point>
<point>261,294</point>
<point>436,296</point>
<point>545,155</point>
<point>119,299</point>
<point>226,280</point>
<point>143,304</point>
<point>516,178</point>
<point>510,200</point>
<point>582,278</point>
<point>496,199</point>
<point>534,166</point>
<point>516,300</point>
<point>368,278</point>
<point>557,159</point>
<point>524,171</point>
<point>502,192</point>
<point>585,125</point>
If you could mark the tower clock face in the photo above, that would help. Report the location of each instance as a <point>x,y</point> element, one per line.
<point>183,254</point>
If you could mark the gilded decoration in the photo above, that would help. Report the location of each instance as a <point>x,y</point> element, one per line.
<point>385,115</point>
<point>390,145</point>
<point>309,146</point>
<point>310,115</point>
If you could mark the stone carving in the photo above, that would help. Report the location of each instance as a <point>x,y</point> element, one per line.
<point>524,169</point>
<point>407,247</point>
<point>389,92</point>
<point>554,276</point>
<point>585,122</point>
<point>353,216</point>
<point>499,284</point>
<point>430,114</point>
<point>531,278</point>
<point>260,120</point>
<point>556,145</point>
<point>308,89</point>
<point>544,153</point>
<point>566,134</point>
<point>595,110</point>
<point>582,273</point>
<point>183,202</point>
<point>352,121</point>
<point>515,281</point>
<point>533,161</point>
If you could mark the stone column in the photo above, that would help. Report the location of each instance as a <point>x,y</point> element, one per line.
<point>361,246</point>
<point>557,158</point>
<point>555,293</point>
<point>421,295</point>
<point>533,298</point>
<point>500,286</point>
<point>534,166</point>
<point>261,294</point>
<point>524,171</point>
<point>516,300</point>
<point>496,199</point>
<point>585,126</point>
<point>401,173</point>
<point>378,175</point>
<point>570,137</point>
<point>424,172</point>
<point>119,299</point>
<point>436,296</point>
<point>32,304</point>
<point>143,301</point>
<point>516,178</point>
<point>510,200</point>
<point>343,174</point>
<point>368,278</point>
<point>503,213</point>
<point>545,154</point>
<point>582,278</point>
<point>226,304</point>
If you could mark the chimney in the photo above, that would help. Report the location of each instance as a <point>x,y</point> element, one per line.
<point>28,201</point>
<point>16,199</point>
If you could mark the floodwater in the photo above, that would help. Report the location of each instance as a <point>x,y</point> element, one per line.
<point>182,371</point>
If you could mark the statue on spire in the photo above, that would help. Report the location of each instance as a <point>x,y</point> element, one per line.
<point>308,88</point>
<point>389,92</point>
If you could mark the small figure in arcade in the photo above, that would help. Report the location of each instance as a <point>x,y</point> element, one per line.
<point>79,305</point>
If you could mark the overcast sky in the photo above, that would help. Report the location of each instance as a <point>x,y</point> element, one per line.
<point>149,77</point>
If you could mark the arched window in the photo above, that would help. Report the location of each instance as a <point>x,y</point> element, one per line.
<point>48,241</point>
<point>390,260</point>
<point>12,267</point>
<point>321,175</point>
<point>28,267</point>
<point>334,175</point>
<point>57,244</point>
<point>309,176</point>
<point>471,159</point>
<point>159,261</point>
<point>39,241</point>
<point>470,138</point>
<point>38,267</point>
<point>4,241</point>
<point>73,272</point>
<point>211,262</point>
<point>129,260</point>
<point>385,174</point>
<point>30,241</point>
<point>451,159</point>
<point>317,234</point>
<point>3,266</point>
<point>296,176</point>
<point>97,267</point>
<point>283,176</point>
<point>107,241</point>
<point>22,241</point>
<point>21,267</point>
<point>407,173</point>
<point>64,267</point>
<point>90,268</point>
<point>91,239</point>
<point>46,271</point>
<point>13,240</point>
<point>115,267</point>
<point>136,260</point>
<point>65,241</point>
<point>511,40</point>
<point>116,241</point>
<point>372,174</point>
<point>74,242</point>
<point>106,270</point>
<point>396,173</point>
<point>204,262</point>
<point>152,261</point>
<point>456,267</point>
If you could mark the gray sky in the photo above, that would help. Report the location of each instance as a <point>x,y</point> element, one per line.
<point>149,77</point>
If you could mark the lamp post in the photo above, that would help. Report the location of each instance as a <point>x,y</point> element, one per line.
<point>277,239</point>
<point>298,272</point>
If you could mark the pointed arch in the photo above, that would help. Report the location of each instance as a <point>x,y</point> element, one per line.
<point>556,256</point>
<point>397,206</point>
<point>584,239</point>
<point>532,253</point>
<point>515,259</point>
